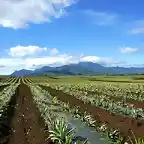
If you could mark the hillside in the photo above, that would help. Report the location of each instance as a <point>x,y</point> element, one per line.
<point>82,68</point>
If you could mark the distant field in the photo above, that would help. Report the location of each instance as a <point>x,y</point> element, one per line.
<point>101,78</point>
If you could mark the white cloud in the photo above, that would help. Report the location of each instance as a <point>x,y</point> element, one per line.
<point>101,18</point>
<point>137,27</point>
<point>19,13</point>
<point>54,51</point>
<point>12,64</point>
<point>21,51</point>
<point>101,60</point>
<point>128,50</point>
<point>52,58</point>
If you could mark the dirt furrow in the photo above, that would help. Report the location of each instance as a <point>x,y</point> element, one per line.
<point>135,103</point>
<point>26,123</point>
<point>116,121</point>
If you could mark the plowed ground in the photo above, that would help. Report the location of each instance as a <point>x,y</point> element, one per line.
<point>26,124</point>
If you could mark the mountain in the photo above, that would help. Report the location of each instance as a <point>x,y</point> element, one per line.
<point>82,68</point>
<point>22,72</point>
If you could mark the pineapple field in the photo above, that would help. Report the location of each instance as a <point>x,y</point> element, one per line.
<point>56,110</point>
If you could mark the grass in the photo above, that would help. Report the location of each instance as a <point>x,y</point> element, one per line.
<point>90,79</point>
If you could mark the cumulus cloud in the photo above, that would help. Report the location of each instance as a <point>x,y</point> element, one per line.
<point>19,13</point>
<point>22,51</point>
<point>101,18</point>
<point>128,50</point>
<point>12,64</point>
<point>25,50</point>
<point>54,51</point>
<point>26,57</point>
<point>101,60</point>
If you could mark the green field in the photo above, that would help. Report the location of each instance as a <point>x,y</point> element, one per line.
<point>91,79</point>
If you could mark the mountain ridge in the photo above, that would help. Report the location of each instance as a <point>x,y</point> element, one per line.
<point>81,68</point>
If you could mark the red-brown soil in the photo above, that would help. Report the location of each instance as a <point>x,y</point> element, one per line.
<point>125,124</point>
<point>136,104</point>
<point>27,126</point>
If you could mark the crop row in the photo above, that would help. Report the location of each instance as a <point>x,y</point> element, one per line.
<point>7,97</point>
<point>102,101</point>
<point>10,81</point>
<point>56,127</point>
<point>113,134</point>
<point>126,91</point>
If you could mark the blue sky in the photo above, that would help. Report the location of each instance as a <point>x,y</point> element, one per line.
<point>57,32</point>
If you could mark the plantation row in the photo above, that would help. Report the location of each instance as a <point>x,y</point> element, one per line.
<point>58,130</point>
<point>125,91</point>
<point>115,111</point>
<point>123,116</point>
<point>107,102</point>
<point>115,108</point>
<point>7,91</point>
<point>19,119</point>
